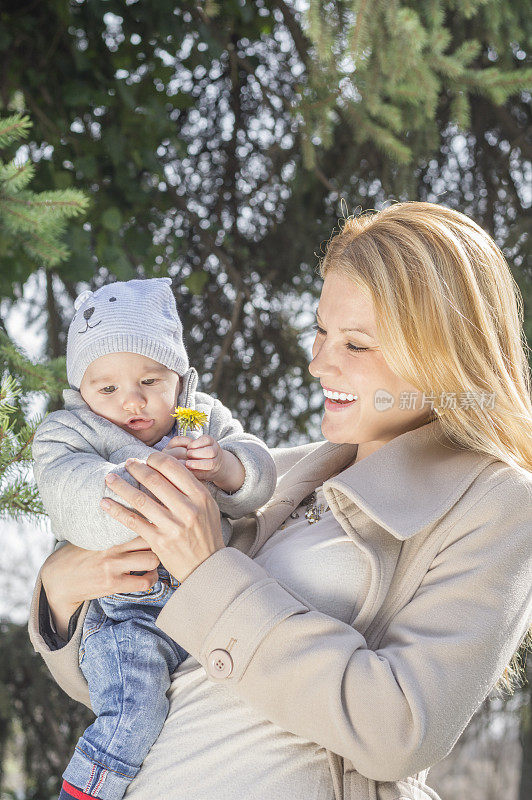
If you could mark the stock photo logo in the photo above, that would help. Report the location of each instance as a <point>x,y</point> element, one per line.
<point>383,400</point>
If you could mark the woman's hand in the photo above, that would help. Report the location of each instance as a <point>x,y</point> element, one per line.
<point>184,529</point>
<point>72,575</point>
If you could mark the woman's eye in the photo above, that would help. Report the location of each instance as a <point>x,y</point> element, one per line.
<point>349,346</point>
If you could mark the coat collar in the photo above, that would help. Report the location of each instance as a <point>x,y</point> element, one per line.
<point>410,482</point>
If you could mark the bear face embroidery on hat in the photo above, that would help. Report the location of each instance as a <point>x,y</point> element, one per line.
<point>87,314</point>
<point>136,316</point>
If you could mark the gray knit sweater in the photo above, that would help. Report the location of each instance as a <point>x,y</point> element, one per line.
<point>74,449</point>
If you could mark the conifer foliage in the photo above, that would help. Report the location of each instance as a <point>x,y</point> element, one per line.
<point>36,223</point>
<point>19,380</point>
<point>35,716</point>
<point>33,221</point>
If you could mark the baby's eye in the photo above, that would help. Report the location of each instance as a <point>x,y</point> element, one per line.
<point>148,381</point>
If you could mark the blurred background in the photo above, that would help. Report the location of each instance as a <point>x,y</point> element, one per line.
<point>220,143</point>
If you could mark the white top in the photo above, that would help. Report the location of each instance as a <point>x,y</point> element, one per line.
<point>213,745</point>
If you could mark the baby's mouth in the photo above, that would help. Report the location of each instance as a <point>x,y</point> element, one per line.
<point>139,423</point>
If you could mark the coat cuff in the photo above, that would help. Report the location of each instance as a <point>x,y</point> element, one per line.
<point>228,603</point>
<point>46,624</point>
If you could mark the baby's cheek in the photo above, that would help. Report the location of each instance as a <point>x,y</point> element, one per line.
<point>165,427</point>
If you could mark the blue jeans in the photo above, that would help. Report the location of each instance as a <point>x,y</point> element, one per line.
<point>127,662</point>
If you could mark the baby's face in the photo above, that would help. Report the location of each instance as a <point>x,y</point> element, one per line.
<point>122,387</point>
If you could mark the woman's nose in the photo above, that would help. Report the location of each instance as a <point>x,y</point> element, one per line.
<point>322,363</point>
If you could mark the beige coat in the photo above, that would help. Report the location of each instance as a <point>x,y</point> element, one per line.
<point>448,536</point>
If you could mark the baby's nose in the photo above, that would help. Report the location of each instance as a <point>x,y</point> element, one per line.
<point>135,398</point>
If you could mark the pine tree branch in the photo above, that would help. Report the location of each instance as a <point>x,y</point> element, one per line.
<point>325,180</point>
<point>18,128</point>
<point>70,287</point>
<point>78,204</point>
<point>38,112</point>
<point>301,42</point>
<point>22,168</point>
<point>509,129</point>
<point>45,243</point>
<point>244,63</point>
<point>358,25</point>
<point>19,456</point>
<point>28,221</point>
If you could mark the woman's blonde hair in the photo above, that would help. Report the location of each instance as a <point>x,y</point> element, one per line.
<point>449,317</point>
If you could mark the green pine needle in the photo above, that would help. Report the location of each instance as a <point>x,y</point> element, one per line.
<point>12,128</point>
<point>36,220</point>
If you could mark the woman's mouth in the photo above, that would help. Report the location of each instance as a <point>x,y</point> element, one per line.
<point>338,401</point>
<point>140,424</point>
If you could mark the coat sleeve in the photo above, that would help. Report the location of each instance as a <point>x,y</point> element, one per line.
<point>260,472</point>
<point>396,710</point>
<point>70,476</point>
<point>63,661</point>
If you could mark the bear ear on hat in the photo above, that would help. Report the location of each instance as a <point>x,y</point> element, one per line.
<point>80,299</point>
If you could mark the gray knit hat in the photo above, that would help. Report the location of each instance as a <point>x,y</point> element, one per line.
<point>138,316</point>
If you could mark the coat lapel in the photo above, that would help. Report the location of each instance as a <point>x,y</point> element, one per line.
<point>398,494</point>
<point>403,488</point>
<point>409,483</point>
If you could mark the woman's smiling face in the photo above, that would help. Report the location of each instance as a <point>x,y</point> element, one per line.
<point>349,361</point>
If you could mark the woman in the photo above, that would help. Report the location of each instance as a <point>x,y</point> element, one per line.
<point>343,658</point>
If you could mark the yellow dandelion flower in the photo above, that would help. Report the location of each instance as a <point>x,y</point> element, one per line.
<point>189,419</point>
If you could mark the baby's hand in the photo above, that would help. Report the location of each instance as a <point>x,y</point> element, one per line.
<point>177,447</point>
<point>208,462</point>
<point>205,458</point>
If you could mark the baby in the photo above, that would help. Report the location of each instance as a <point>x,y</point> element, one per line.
<point>128,369</point>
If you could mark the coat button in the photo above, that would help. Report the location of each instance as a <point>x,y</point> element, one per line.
<point>219,664</point>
